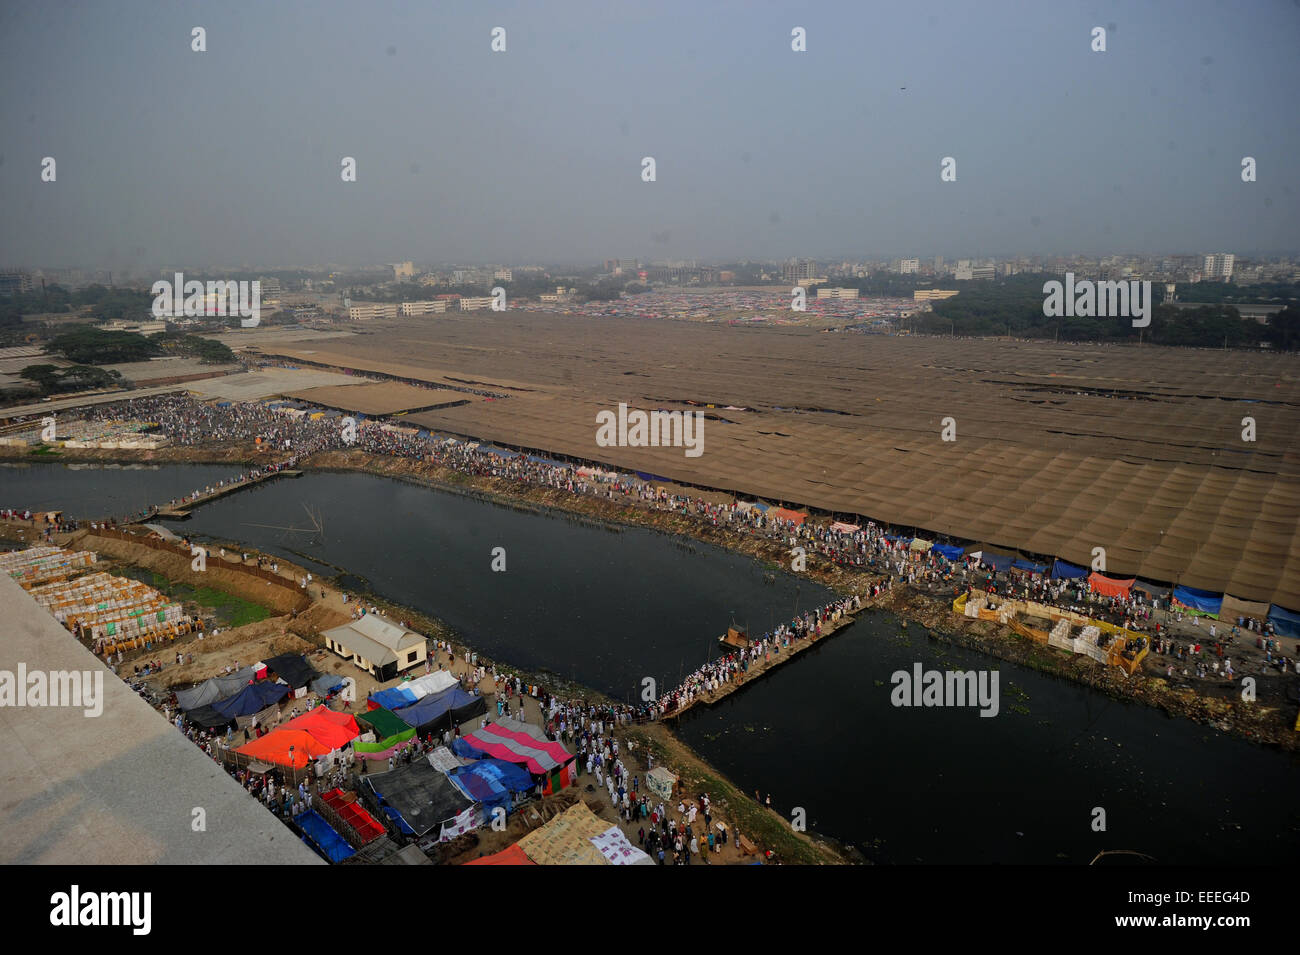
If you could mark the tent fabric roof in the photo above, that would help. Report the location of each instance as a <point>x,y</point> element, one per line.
<point>254,697</point>
<point>618,849</point>
<point>208,717</point>
<point>1165,485</point>
<point>1109,586</point>
<point>385,722</point>
<point>328,728</point>
<point>566,839</point>
<point>274,748</point>
<point>1063,571</point>
<point>1232,608</point>
<point>323,684</point>
<point>393,698</point>
<point>514,855</point>
<point>491,782</point>
<point>1285,622</point>
<point>1155,590</point>
<point>217,688</point>
<point>514,742</point>
<point>292,668</point>
<point>1200,600</point>
<point>423,796</point>
<point>434,682</point>
<point>320,832</point>
<point>452,705</point>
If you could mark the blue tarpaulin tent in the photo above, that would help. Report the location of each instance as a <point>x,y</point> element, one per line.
<point>254,697</point>
<point>998,562</point>
<point>951,551</point>
<point>1285,622</point>
<point>398,821</point>
<point>1063,571</point>
<point>321,834</point>
<point>327,684</point>
<point>491,781</point>
<point>394,698</point>
<point>1200,600</point>
<point>1029,565</point>
<point>647,476</point>
<point>438,710</point>
<point>500,452</point>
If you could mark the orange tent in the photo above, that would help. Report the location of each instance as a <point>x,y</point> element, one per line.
<point>511,856</point>
<point>274,748</point>
<point>1110,586</point>
<point>798,517</point>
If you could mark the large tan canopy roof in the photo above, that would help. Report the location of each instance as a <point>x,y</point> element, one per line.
<point>1059,448</point>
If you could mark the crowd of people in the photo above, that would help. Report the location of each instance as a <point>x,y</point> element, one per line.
<point>732,668</point>
<point>869,548</point>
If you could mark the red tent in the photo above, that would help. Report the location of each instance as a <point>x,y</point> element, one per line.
<point>328,728</point>
<point>511,856</point>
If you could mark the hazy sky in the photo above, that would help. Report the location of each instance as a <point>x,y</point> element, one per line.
<point>230,156</point>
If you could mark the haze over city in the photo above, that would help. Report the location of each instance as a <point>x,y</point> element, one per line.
<point>534,154</point>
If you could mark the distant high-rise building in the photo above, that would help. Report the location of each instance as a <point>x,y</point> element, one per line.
<point>909,266</point>
<point>403,271</point>
<point>799,270</point>
<point>1218,266</point>
<point>15,282</point>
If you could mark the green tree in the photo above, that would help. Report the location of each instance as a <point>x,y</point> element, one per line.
<point>1283,329</point>
<point>45,377</point>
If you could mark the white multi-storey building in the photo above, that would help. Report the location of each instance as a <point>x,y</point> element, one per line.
<point>424,308</point>
<point>1218,266</point>
<point>362,313</point>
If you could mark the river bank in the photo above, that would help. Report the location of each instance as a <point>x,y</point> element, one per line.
<point>298,631</point>
<point>1269,723</point>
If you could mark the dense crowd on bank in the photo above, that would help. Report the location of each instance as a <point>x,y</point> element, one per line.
<point>868,548</point>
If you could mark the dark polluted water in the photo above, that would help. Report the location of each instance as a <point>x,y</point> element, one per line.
<point>946,785</point>
<point>93,491</point>
<point>611,608</point>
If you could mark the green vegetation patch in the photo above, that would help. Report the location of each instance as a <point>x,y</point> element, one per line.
<point>227,609</point>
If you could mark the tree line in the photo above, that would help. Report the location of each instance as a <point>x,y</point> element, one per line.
<point>1014,306</point>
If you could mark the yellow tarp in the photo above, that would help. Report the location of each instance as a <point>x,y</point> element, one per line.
<point>566,839</point>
